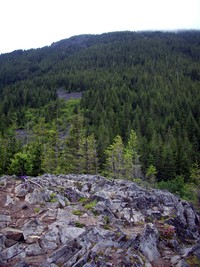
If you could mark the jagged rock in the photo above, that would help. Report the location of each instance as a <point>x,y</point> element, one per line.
<point>126,225</point>
<point>4,220</point>
<point>10,243</point>
<point>178,262</point>
<point>9,201</point>
<point>62,200</point>
<point>72,194</point>
<point>34,250</point>
<point>22,264</point>
<point>11,252</point>
<point>51,239</point>
<point>2,242</point>
<point>149,242</point>
<point>67,233</point>
<point>32,239</point>
<point>63,254</point>
<point>196,251</point>
<point>35,197</point>
<point>32,227</point>
<point>14,234</point>
<point>102,196</point>
<point>22,189</point>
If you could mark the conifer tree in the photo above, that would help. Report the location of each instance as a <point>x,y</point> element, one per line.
<point>114,167</point>
<point>132,167</point>
<point>21,164</point>
<point>73,153</point>
<point>50,157</point>
<point>91,158</point>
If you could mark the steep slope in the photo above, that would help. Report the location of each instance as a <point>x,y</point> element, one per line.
<point>146,81</point>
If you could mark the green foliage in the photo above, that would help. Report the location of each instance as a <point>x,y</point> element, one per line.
<point>115,160</point>
<point>175,186</point>
<point>145,81</point>
<point>21,164</point>
<point>77,212</point>
<point>36,209</point>
<point>90,205</point>
<point>195,175</point>
<point>53,198</point>
<point>123,162</point>
<point>193,261</point>
<point>79,225</point>
<point>82,199</point>
<point>151,174</point>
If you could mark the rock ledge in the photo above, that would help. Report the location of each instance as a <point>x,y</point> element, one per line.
<point>86,220</point>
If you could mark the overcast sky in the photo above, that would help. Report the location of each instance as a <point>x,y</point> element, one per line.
<point>28,24</point>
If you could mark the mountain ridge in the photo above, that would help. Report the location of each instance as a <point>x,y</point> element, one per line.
<point>145,81</point>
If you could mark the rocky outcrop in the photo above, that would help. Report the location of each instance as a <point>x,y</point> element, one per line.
<point>84,220</point>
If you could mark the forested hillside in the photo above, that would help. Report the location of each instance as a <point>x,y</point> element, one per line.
<point>139,109</point>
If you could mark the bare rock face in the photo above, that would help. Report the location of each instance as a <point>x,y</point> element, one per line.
<point>85,220</point>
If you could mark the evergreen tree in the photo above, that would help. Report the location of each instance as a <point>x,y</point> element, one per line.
<point>91,158</point>
<point>21,164</point>
<point>114,167</point>
<point>132,167</point>
<point>50,156</point>
<point>73,153</point>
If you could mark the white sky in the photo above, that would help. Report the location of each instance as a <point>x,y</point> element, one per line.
<point>28,24</point>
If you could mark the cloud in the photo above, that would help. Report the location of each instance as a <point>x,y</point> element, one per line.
<point>26,24</point>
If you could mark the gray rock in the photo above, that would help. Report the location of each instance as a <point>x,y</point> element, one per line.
<point>9,201</point>
<point>32,239</point>
<point>32,227</point>
<point>34,250</point>
<point>35,197</point>
<point>22,264</point>
<point>103,197</point>
<point>178,262</point>
<point>63,254</point>
<point>22,189</point>
<point>148,243</point>
<point>113,233</point>
<point>5,218</point>
<point>61,200</point>
<point>51,239</point>
<point>11,252</point>
<point>68,233</point>
<point>14,234</point>
<point>2,242</point>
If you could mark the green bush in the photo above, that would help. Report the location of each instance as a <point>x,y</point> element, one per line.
<point>175,186</point>
<point>77,212</point>
<point>91,205</point>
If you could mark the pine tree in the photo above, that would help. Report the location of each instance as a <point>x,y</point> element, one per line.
<point>21,164</point>
<point>151,174</point>
<point>114,167</point>
<point>132,167</point>
<point>73,160</point>
<point>50,157</point>
<point>90,154</point>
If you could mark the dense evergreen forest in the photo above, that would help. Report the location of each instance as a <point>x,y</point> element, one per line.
<point>139,115</point>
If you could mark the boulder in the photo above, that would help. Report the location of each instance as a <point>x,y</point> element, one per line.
<point>13,233</point>
<point>34,250</point>
<point>32,227</point>
<point>149,242</point>
<point>22,189</point>
<point>11,252</point>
